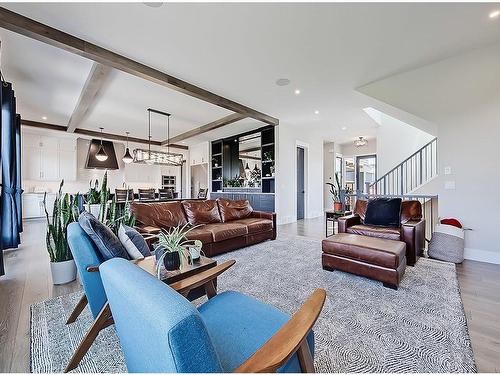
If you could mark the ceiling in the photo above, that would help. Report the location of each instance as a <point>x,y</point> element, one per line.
<point>327,50</point>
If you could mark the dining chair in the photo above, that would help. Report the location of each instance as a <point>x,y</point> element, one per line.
<point>165,194</point>
<point>146,194</point>
<point>160,331</point>
<point>123,194</point>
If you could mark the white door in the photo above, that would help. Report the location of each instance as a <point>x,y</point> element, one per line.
<point>67,165</point>
<point>31,164</point>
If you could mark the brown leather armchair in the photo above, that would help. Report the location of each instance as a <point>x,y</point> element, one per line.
<point>411,231</point>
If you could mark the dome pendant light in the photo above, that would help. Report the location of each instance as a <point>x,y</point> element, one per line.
<point>101,154</point>
<point>127,158</point>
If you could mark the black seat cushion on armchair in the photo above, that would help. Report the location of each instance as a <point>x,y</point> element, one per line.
<point>384,212</point>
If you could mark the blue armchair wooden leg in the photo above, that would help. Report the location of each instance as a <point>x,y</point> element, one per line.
<point>78,309</point>
<point>103,320</point>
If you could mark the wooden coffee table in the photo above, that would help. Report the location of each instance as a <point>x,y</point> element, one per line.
<point>169,277</point>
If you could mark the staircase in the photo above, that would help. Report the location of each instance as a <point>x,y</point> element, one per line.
<point>413,172</point>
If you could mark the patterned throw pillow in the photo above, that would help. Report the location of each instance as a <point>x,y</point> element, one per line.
<point>134,243</point>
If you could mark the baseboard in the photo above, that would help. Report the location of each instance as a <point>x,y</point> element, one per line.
<point>482,255</point>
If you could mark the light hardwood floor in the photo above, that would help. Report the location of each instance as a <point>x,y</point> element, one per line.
<point>28,281</point>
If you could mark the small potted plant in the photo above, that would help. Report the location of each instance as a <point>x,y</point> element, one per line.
<point>170,248</point>
<point>62,265</point>
<point>93,199</point>
<point>335,191</point>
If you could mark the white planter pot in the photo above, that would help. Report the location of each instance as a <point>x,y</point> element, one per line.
<point>63,272</point>
<point>94,209</point>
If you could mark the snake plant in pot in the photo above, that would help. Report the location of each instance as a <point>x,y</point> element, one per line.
<point>171,248</point>
<point>335,191</point>
<point>65,211</point>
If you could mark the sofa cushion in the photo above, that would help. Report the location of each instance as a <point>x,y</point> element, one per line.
<point>256,225</point>
<point>383,212</point>
<point>372,231</point>
<point>376,251</point>
<point>234,209</point>
<point>134,242</point>
<point>360,209</point>
<point>159,214</point>
<point>200,233</point>
<point>411,210</point>
<point>106,241</point>
<point>239,325</point>
<point>226,231</point>
<point>202,212</point>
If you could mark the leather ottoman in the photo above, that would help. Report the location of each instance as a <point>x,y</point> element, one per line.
<point>376,258</point>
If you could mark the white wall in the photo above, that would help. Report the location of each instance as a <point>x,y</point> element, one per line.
<point>396,141</point>
<point>289,138</point>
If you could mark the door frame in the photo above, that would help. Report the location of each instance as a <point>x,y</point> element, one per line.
<point>356,168</point>
<point>305,147</point>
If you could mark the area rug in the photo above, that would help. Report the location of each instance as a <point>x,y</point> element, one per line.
<point>364,327</point>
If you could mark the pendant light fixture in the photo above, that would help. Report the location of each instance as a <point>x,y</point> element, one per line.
<point>247,168</point>
<point>127,158</point>
<point>151,157</point>
<point>360,142</point>
<point>101,154</point>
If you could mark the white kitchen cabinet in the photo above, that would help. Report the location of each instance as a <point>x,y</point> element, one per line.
<point>198,154</point>
<point>33,205</point>
<point>48,158</point>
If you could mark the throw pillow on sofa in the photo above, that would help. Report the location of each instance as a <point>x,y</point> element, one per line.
<point>134,243</point>
<point>234,210</point>
<point>383,212</point>
<point>202,212</point>
<point>107,243</point>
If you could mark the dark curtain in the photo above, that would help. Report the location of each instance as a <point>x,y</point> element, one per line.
<point>10,227</point>
<point>19,190</point>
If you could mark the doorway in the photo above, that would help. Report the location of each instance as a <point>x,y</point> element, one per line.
<point>300,183</point>
<point>366,172</point>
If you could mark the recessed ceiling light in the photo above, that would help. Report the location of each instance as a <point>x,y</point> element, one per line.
<point>495,14</point>
<point>297,91</point>
<point>344,127</point>
<point>316,112</point>
<point>282,81</point>
<point>44,117</point>
<point>155,4</point>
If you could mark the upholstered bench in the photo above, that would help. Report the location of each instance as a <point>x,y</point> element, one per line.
<point>375,258</point>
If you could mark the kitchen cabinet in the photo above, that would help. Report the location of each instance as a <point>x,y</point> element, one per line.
<point>198,154</point>
<point>47,158</point>
<point>33,205</point>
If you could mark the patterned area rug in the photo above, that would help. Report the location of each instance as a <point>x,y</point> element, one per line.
<point>364,327</point>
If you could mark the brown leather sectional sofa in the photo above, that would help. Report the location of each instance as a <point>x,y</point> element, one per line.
<point>224,225</point>
<point>411,231</point>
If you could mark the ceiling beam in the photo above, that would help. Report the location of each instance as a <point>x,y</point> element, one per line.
<point>96,134</point>
<point>205,128</point>
<point>28,27</point>
<point>97,77</point>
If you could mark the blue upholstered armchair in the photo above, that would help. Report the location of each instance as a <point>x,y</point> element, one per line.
<point>161,331</point>
<point>87,261</point>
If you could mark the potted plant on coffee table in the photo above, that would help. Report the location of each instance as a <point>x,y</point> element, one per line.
<point>62,265</point>
<point>170,249</point>
<point>335,191</point>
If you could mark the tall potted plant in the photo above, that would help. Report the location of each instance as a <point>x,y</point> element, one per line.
<point>65,211</point>
<point>335,191</point>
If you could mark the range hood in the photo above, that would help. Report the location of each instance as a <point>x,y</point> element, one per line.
<point>109,163</point>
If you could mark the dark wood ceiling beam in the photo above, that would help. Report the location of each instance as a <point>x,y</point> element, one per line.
<point>205,128</point>
<point>96,134</point>
<point>28,27</point>
<point>97,78</point>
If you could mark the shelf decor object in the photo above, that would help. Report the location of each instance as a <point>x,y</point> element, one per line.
<point>142,156</point>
